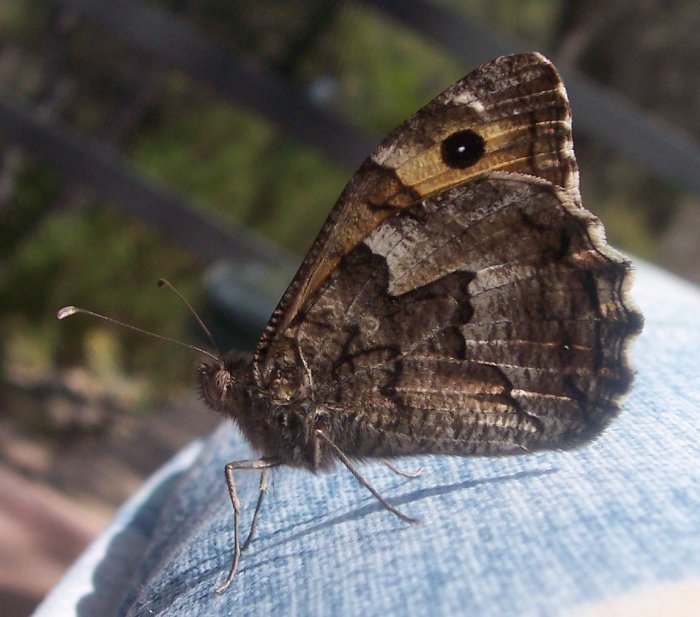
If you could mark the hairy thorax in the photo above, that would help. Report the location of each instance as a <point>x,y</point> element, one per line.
<point>280,428</point>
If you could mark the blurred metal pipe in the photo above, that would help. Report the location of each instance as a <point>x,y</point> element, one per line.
<point>181,46</point>
<point>599,111</point>
<point>101,167</point>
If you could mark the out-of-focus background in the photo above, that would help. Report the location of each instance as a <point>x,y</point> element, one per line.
<point>205,141</point>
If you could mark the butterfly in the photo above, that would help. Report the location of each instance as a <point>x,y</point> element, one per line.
<point>458,300</point>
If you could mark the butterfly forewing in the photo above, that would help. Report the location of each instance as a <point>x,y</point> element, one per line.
<point>516,105</point>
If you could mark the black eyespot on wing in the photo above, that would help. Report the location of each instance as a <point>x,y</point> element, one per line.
<point>462,149</point>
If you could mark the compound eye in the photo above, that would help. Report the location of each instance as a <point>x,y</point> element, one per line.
<point>222,381</point>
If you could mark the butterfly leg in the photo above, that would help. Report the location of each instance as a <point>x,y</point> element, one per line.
<point>264,465</point>
<point>261,493</point>
<point>413,473</point>
<point>320,435</point>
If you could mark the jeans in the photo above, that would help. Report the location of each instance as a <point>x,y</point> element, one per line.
<point>613,524</point>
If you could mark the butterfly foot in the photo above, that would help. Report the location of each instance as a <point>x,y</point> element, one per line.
<point>406,473</point>
<point>232,572</point>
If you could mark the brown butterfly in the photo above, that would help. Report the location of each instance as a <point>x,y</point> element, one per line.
<point>458,300</point>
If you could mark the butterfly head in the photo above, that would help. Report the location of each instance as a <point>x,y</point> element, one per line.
<point>222,383</point>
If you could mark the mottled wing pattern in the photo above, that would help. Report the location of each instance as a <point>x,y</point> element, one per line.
<point>461,304</point>
<point>487,318</point>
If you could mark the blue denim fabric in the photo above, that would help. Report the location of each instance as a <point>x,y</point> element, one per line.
<point>545,534</point>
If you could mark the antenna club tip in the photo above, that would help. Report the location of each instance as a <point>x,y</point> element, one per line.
<point>162,282</point>
<point>66,311</point>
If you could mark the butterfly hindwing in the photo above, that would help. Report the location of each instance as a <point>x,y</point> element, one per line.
<point>436,334</point>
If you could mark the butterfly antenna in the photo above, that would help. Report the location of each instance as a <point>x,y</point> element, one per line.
<point>67,311</point>
<point>195,314</point>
